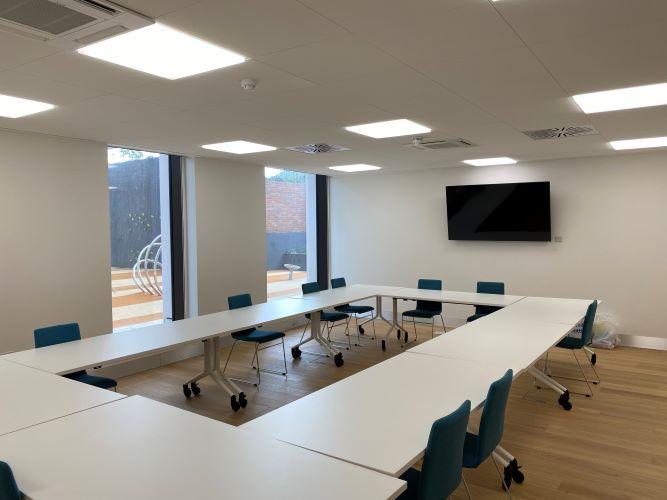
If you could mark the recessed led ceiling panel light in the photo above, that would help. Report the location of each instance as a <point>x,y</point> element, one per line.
<point>239,147</point>
<point>628,98</point>
<point>649,142</point>
<point>162,51</point>
<point>391,128</point>
<point>16,107</point>
<point>358,167</point>
<point>484,162</point>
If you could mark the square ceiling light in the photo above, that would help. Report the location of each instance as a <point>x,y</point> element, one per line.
<point>485,162</point>
<point>649,142</point>
<point>16,107</point>
<point>239,147</point>
<point>391,128</point>
<point>162,51</point>
<point>629,98</point>
<point>357,167</point>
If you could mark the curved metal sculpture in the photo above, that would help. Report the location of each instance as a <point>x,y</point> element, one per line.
<point>145,269</point>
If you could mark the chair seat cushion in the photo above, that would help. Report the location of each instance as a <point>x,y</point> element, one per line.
<point>475,316</point>
<point>470,455</point>
<point>412,477</point>
<point>262,336</point>
<point>331,317</point>
<point>420,313</point>
<point>350,309</point>
<point>570,343</point>
<point>240,335</point>
<point>101,382</point>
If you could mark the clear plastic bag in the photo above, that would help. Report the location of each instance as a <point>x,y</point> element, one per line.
<point>605,331</point>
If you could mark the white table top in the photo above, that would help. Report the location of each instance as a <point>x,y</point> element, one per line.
<point>351,293</point>
<point>454,297</point>
<point>380,418</point>
<point>546,309</point>
<point>139,448</point>
<point>31,397</point>
<point>113,348</point>
<point>517,341</point>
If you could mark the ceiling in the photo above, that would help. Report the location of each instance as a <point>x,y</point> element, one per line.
<point>473,69</point>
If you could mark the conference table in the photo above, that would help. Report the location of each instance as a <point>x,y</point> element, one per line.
<point>139,448</point>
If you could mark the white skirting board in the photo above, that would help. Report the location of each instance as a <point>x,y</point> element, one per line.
<point>657,343</point>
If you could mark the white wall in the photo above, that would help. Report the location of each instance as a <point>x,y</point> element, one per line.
<point>54,230</point>
<point>611,212</point>
<point>230,218</point>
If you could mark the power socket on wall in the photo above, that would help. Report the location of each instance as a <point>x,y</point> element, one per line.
<point>558,239</point>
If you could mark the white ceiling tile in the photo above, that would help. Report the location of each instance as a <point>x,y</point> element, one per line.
<point>16,50</point>
<point>40,89</point>
<point>253,27</point>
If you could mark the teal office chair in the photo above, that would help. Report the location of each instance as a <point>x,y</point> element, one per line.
<point>442,469</point>
<point>8,488</point>
<point>259,337</point>
<point>70,332</point>
<point>425,309</point>
<point>329,320</point>
<point>365,312</point>
<point>479,447</point>
<point>573,344</point>
<point>495,287</point>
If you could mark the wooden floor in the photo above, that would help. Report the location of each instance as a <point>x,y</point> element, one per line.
<point>610,446</point>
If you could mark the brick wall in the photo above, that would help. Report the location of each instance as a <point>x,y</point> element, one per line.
<point>285,207</point>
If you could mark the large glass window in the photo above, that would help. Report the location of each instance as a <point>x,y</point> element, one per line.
<point>140,246</point>
<point>291,257</point>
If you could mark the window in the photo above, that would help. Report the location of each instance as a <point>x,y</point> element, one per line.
<point>291,251</point>
<point>139,208</point>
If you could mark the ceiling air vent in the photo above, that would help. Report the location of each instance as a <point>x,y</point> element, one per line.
<point>68,24</point>
<point>561,132</point>
<point>421,144</point>
<point>319,148</point>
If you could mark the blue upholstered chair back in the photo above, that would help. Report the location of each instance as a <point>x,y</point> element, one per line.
<point>427,305</point>
<point>239,301</point>
<point>495,287</point>
<point>441,471</point>
<point>58,334</point>
<point>338,282</point>
<point>8,488</point>
<point>493,416</point>
<point>311,287</point>
<point>587,330</point>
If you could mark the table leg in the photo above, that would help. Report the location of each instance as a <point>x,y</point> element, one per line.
<point>511,466</point>
<point>564,399</point>
<point>393,324</point>
<point>212,369</point>
<point>316,335</point>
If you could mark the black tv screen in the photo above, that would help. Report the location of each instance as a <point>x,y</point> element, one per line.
<point>499,212</point>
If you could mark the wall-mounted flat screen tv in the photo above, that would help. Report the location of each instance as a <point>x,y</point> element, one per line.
<point>499,212</point>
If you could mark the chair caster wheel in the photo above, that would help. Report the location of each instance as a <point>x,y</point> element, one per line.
<point>384,345</point>
<point>235,404</point>
<point>195,388</point>
<point>517,475</point>
<point>296,352</point>
<point>507,478</point>
<point>594,359</point>
<point>186,391</point>
<point>361,330</point>
<point>338,359</point>
<point>564,401</point>
<point>242,400</point>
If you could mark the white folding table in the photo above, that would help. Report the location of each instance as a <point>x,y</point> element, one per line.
<point>444,296</point>
<point>380,418</point>
<point>110,349</point>
<point>31,397</point>
<point>139,448</point>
